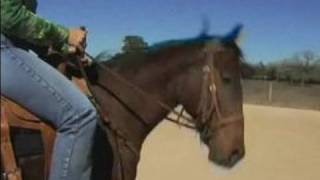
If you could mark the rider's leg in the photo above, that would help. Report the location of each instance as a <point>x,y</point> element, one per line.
<point>44,91</point>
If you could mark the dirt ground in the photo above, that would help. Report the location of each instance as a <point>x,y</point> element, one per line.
<point>281,144</point>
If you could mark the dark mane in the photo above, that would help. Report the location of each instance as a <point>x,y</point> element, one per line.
<point>135,59</point>
<point>202,39</point>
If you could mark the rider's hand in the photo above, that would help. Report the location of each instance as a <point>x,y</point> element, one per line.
<point>77,38</point>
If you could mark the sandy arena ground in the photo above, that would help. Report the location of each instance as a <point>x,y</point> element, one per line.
<point>281,144</point>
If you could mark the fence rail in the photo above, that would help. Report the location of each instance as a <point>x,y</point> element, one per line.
<point>281,94</point>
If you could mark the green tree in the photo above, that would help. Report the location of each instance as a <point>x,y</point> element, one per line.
<point>272,72</point>
<point>247,69</point>
<point>134,44</point>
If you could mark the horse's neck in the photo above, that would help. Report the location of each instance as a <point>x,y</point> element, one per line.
<point>132,112</point>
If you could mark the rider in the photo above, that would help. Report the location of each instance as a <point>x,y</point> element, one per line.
<point>40,88</point>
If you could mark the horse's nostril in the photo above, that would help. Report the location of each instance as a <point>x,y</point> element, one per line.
<point>235,152</point>
<point>235,156</point>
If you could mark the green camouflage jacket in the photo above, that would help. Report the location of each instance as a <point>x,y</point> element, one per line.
<point>18,20</point>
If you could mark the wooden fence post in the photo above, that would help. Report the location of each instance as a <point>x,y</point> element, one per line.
<point>270,92</point>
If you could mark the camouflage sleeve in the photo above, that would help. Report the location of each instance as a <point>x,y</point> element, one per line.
<point>17,21</point>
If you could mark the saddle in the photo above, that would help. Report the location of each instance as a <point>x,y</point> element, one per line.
<point>15,116</point>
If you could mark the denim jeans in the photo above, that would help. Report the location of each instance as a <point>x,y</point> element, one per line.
<point>40,88</point>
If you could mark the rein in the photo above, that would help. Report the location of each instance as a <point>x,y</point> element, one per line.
<point>145,94</point>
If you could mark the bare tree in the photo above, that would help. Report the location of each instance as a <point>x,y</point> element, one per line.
<point>307,63</point>
<point>299,67</point>
<point>285,70</point>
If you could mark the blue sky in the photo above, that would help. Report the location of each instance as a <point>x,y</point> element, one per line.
<point>273,29</point>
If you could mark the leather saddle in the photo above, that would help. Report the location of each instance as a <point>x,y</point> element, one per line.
<point>14,115</point>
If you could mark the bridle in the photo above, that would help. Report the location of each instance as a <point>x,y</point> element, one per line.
<point>209,99</point>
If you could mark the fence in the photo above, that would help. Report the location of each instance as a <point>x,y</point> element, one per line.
<point>281,94</point>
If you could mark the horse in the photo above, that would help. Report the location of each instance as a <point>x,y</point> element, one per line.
<point>136,91</point>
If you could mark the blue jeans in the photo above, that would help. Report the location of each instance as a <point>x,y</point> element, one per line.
<point>40,88</point>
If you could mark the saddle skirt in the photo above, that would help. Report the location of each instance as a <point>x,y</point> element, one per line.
<point>16,111</point>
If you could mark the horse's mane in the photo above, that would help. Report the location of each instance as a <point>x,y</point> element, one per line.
<point>137,58</point>
<point>202,39</point>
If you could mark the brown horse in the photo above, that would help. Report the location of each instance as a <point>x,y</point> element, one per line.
<point>202,74</point>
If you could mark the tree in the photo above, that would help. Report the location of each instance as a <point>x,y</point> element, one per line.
<point>134,44</point>
<point>304,63</point>
<point>260,71</point>
<point>285,70</point>
<point>104,56</point>
<point>272,72</point>
<point>247,69</point>
<point>300,67</point>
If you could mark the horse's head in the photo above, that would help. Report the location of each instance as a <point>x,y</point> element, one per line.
<point>210,90</point>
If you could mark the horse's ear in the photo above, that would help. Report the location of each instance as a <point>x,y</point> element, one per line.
<point>205,27</point>
<point>234,35</point>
